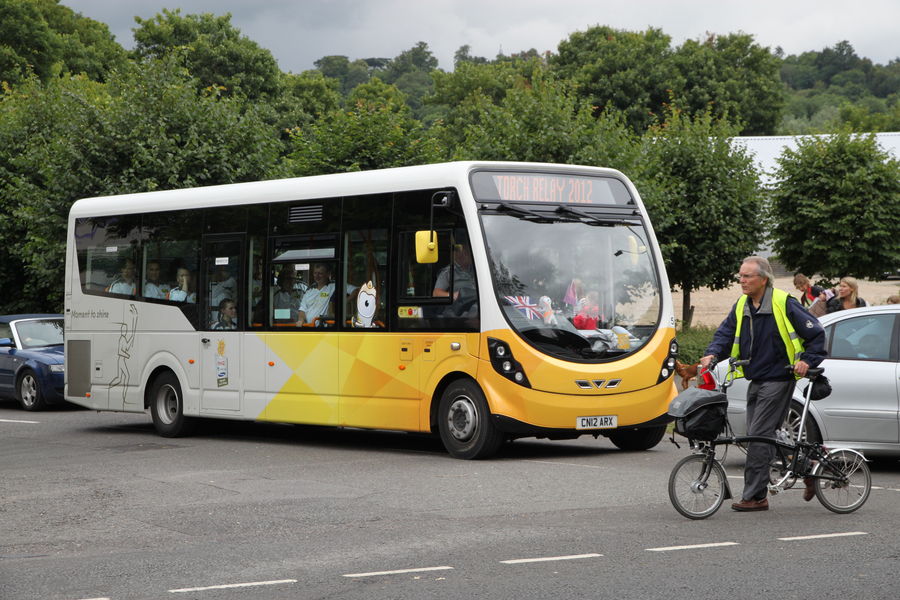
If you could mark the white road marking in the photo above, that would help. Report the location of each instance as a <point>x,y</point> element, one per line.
<point>19,421</point>
<point>565,464</point>
<point>877,487</point>
<point>518,561</point>
<point>397,572</point>
<point>822,535</point>
<point>232,585</point>
<point>691,547</point>
<point>103,598</point>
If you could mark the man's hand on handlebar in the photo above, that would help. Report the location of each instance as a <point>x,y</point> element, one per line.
<point>800,368</point>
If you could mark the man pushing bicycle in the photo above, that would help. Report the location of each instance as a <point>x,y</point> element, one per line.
<point>770,329</point>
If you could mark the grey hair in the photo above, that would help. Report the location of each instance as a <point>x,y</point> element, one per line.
<point>764,269</point>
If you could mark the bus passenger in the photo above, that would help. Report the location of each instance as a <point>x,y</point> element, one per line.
<point>185,291</point>
<point>227,316</point>
<point>153,288</point>
<point>124,282</point>
<point>285,298</point>
<point>318,301</point>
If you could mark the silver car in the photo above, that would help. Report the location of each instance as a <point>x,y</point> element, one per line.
<point>863,366</point>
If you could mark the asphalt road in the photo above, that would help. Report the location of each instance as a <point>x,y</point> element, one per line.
<point>97,506</point>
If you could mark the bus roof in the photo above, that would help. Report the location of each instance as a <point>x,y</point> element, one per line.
<point>312,187</point>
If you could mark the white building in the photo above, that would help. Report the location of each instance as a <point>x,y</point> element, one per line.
<point>766,149</point>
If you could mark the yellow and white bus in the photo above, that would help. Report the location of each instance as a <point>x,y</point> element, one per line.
<point>480,301</point>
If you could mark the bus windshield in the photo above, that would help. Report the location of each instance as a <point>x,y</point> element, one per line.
<point>577,285</point>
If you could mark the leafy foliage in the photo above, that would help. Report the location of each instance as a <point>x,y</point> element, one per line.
<point>733,77</point>
<point>836,207</point>
<point>214,51</point>
<point>376,131</point>
<point>621,70</point>
<point>69,138</point>
<point>835,88</point>
<point>45,38</point>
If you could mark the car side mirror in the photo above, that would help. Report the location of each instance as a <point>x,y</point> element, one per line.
<point>7,343</point>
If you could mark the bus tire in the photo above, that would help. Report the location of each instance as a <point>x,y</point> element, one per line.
<point>635,440</point>
<point>167,407</point>
<point>464,422</point>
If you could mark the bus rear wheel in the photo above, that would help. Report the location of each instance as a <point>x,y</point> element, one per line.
<point>464,422</point>
<point>167,407</point>
<point>638,439</point>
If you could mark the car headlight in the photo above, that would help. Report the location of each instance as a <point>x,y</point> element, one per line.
<point>57,368</point>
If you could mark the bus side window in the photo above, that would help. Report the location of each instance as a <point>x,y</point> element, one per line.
<point>107,250</point>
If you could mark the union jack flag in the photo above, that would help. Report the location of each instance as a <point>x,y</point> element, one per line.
<point>525,306</point>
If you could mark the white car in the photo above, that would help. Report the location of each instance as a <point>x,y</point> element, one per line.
<point>863,366</point>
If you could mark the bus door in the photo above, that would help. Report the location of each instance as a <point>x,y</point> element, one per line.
<point>221,303</point>
<point>302,348</point>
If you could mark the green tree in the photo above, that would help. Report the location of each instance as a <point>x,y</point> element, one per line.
<point>375,131</point>
<point>45,38</point>
<point>703,198</point>
<point>148,128</point>
<point>214,51</point>
<point>411,72</point>
<point>300,100</point>
<point>734,77</point>
<point>461,94</point>
<point>621,70</point>
<point>544,120</point>
<point>348,74</point>
<point>836,207</point>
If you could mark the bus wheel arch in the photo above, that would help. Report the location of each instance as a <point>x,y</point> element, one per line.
<point>462,417</point>
<point>166,402</point>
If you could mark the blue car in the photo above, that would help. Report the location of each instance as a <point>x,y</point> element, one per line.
<point>31,359</point>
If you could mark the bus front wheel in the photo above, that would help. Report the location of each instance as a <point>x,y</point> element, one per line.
<point>638,439</point>
<point>167,407</point>
<point>464,422</point>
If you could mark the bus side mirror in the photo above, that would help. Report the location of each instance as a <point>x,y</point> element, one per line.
<point>426,247</point>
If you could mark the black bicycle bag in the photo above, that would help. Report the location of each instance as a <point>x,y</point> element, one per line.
<point>699,414</point>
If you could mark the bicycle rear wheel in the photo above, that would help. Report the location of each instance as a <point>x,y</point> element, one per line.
<point>697,486</point>
<point>852,483</point>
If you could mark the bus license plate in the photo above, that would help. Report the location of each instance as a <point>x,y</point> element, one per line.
<point>597,422</point>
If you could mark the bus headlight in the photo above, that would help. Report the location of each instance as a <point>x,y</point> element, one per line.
<point>503,362</point>
<point>668,366</point>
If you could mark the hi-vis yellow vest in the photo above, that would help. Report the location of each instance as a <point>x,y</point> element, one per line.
<point>792,342</point>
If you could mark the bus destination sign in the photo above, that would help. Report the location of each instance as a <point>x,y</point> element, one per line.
<point>550,188</point>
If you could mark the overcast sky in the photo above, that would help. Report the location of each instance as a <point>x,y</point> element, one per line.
<point>299,32</point>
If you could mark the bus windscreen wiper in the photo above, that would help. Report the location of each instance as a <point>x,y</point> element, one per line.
<point>518,210</point>
<point>564,209</point>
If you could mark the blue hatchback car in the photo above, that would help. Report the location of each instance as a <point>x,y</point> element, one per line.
<point>31,359</point>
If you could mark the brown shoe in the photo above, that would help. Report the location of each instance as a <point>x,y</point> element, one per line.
<point>810,490</point>
<point>751,505</point>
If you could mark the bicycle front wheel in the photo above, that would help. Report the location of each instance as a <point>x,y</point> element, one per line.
<point>697,486</point>
<point>850,482</point>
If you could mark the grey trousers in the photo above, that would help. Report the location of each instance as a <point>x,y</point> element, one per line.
<point>767,406</point>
